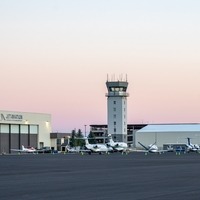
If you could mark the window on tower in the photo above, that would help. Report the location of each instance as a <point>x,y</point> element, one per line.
<point>117,89</point>
<point>114,102</point>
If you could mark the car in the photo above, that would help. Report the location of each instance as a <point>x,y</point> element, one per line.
<point>180,149</point>
<point>45,150</point>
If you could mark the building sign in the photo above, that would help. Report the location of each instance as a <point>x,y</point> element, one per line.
<point>11,117</point>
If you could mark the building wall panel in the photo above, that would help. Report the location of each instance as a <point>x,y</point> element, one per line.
<point>24,140</point>
<point>33,140</point>
<point>15,141</point>
<point>4,140</point>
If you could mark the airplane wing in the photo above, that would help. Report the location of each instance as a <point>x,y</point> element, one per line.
<point>146,151</point>
<point>163,151</point>
<point>79,151</point>
<point>84,150</point>
<point>17,150</point>
<point>25,150</point>
<point>139,150</point>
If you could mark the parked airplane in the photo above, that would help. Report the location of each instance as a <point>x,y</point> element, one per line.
<point>97,148</point>
<point>192,147</point>
<point>25,150</point>
<point>72,149</point>
<point>152,148</point>
<point>117,146</point>
<point>76,150</point>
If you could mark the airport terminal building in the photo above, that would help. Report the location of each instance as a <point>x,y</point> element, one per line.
<point>101,131</point>
<point>23,128</point>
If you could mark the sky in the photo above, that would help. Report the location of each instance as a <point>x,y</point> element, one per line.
<point>55,56</point>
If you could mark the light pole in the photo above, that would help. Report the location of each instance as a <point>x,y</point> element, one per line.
<point>85,130</point>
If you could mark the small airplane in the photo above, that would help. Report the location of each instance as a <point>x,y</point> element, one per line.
<point>25,150</point>
<point>97,148</point>
<point>72,149</point>
<point>192,147</point>
<point>117,146</point>
<point>152,148</point>
<point>170,148</point>
<point>76,150</point>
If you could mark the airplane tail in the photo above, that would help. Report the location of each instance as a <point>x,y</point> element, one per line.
<point>189,143</point>
<point>23,147</point>
<point>143,146</point>
<point>110,140</point>
<point>86,141</point>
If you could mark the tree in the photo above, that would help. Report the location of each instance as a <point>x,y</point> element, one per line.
<point>73,139</point>
<point>80,140</point>
<point>91,138</point>
<point>77,139</point>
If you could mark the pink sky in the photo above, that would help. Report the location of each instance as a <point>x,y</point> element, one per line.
<point>55,57</point>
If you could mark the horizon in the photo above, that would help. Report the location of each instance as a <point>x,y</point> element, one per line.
<point>56,56</point>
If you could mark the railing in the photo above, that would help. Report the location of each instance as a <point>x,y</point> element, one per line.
<point>118,94</point>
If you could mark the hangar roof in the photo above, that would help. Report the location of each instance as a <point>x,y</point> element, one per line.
<point>170,128</point>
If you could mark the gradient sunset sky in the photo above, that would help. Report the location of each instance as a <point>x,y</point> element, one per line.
<point>55,56</point>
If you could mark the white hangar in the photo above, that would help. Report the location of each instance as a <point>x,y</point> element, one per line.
<point>168,134</point>
<point>23,128</point>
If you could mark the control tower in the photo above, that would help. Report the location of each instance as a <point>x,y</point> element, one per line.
<point>117,109</point>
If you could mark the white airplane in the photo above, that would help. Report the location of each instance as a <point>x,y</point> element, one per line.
<point>117,146</point>
<point>152,148</point>
<point>72,149</point>
<point>192,147</point>
<point>97,148</point>
<point>25,150</point>
<point>76,150</point>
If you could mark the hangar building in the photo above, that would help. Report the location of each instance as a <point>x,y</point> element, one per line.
<point>168,134</point>
<point>22,128</point>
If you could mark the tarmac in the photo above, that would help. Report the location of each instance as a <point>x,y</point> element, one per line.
<point>100,177</point>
